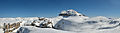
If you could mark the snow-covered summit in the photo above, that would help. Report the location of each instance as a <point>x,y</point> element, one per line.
<point>70,12</point>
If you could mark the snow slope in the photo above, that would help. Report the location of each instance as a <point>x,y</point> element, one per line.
<point>74,23</point>
<point>1,30</point>
<point>31,29</point>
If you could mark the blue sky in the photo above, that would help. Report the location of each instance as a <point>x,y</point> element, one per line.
<point>48,8</point>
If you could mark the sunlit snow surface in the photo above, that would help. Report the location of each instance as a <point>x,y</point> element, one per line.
<point>72,24</point>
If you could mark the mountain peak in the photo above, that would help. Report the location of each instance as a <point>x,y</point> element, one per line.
<point>70,12</point>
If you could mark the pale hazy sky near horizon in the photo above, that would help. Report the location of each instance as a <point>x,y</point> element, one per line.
<point>48,8</point>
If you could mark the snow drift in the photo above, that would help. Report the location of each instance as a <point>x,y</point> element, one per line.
<point>68,21</point>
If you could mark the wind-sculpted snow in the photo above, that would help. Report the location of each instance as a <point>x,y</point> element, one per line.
<point>23,30</point>
<point>31,29</point>
<point>68,21</point>
<point>72,24</point>
<point>86,24</point>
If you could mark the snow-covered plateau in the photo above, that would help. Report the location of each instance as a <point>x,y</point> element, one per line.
<point>68,21</point>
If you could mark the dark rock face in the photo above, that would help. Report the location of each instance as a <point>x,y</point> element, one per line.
<point>91,22</point>
<point>64,15</point>
<point>113,22</point>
